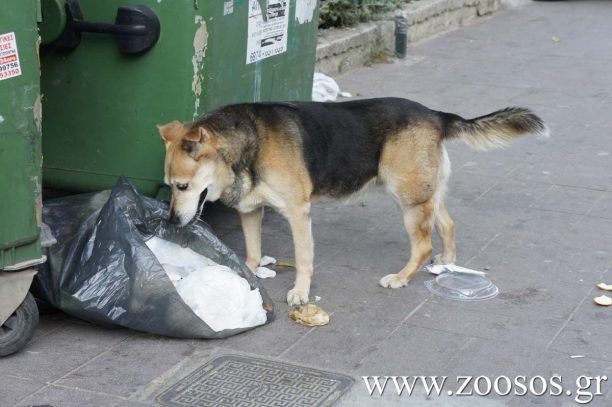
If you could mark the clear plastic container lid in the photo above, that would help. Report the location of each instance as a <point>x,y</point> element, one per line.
<point>462,286</point>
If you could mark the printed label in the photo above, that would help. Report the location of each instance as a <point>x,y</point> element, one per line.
<point>267,38</point>
<point>228,7</point>
<point>9,58</point>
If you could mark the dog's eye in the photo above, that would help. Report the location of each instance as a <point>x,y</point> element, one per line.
<point>182,187</point>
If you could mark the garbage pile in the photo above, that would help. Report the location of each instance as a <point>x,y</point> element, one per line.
<point>117,261</point>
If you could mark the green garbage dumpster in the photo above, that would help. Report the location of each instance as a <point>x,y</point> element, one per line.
<point>111,71</point>
<point>20,171</point>
<point>20,136</point>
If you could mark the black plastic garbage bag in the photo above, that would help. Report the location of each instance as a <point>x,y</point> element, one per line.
<point>101,270</point>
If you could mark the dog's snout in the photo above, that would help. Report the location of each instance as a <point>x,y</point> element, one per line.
<point>175,220</point>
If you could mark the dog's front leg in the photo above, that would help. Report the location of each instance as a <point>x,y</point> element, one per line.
<point>301,229</point>
<point>251,228</point>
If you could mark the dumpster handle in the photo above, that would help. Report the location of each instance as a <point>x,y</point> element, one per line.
<point>106,28</point>
<point>136,28</point>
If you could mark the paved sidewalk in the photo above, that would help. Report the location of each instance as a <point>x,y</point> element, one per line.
<point>539,214</point>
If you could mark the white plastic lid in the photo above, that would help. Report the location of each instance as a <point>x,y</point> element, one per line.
<point>461,286</point>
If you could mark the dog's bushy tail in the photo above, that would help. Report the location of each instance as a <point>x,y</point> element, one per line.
<point>494,130</point>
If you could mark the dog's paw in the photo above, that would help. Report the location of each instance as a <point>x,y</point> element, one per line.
<point>437,259</point>
<point>393,281</point>
<point>297,297</point>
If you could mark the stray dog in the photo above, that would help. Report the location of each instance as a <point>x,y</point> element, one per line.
<point>285,155</point>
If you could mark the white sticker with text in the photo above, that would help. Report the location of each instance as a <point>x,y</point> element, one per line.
<point>9,58</point>
<point>267,38</point>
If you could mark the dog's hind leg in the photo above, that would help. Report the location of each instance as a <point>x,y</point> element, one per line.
<point>301,229</point>
<point>418,222</point>
<point>410,170</point>
<point>444,223</point>
<point>446,229</point>
<point>251,228</point>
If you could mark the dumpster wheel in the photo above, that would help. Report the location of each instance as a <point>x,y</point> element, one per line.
<point>19,328</point>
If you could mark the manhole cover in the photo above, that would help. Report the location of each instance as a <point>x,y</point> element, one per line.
<point>233,380</point>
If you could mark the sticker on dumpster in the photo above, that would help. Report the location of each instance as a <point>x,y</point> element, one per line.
<point>228,7</point>
<point>267,38</point>
<point>9,58</point>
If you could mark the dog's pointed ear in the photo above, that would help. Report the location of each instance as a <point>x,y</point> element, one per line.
<point>200,143</point>
<point>201,135</point>
<point>170,131</point>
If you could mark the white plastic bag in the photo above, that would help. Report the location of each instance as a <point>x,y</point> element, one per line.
<point>215,293</point>
<point>325,89</point>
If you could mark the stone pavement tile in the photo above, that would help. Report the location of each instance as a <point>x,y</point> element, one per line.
<point>382,253</point>
<point>558,110</point>
<point>537,263</point>
<point>466,187</point>
<point>548,73</point>
<point>358,397</point>
<point>477,227</point>
<point>125,369</point>
<point>486,357</point>
<point>551,363</point>
<point>68,397</point>
<point>583,175</point>
<point>581,145</point>
<point>348,215</point>
<point>568,199</point>
<point>390,80</point>
<point>413,350</point>
<point>268,340</point>
<point>535,34</point>
<point>602,208</point>
<point>328,238</point>
<point>277,245</point>
<point>331,243</point>
<point>494,163</point>
<point>54,355</point>
<point>278,286</point>
<point>588,332</point>
<point>570,369</point>
<point>512,193</point>
<point>352,333</point>
<point>541,261</point>
<point>51,322</point>
<point>274,222</point>
<point>497,84</point>
<point>482,323</point>
<point>550,245</point>
<point>491,359</point>
<point>588,153</point>
<point>344,288</point>
<point>14,389</point>
<point>536,300</point>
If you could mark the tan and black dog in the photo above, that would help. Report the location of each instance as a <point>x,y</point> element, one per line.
<point>285,155</point>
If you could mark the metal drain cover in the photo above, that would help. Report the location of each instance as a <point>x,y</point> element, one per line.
<point>233,380</point>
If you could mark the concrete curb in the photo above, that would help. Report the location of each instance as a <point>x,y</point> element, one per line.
<point>339,50</point>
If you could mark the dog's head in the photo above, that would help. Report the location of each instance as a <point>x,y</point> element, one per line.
<point>193,169</point>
